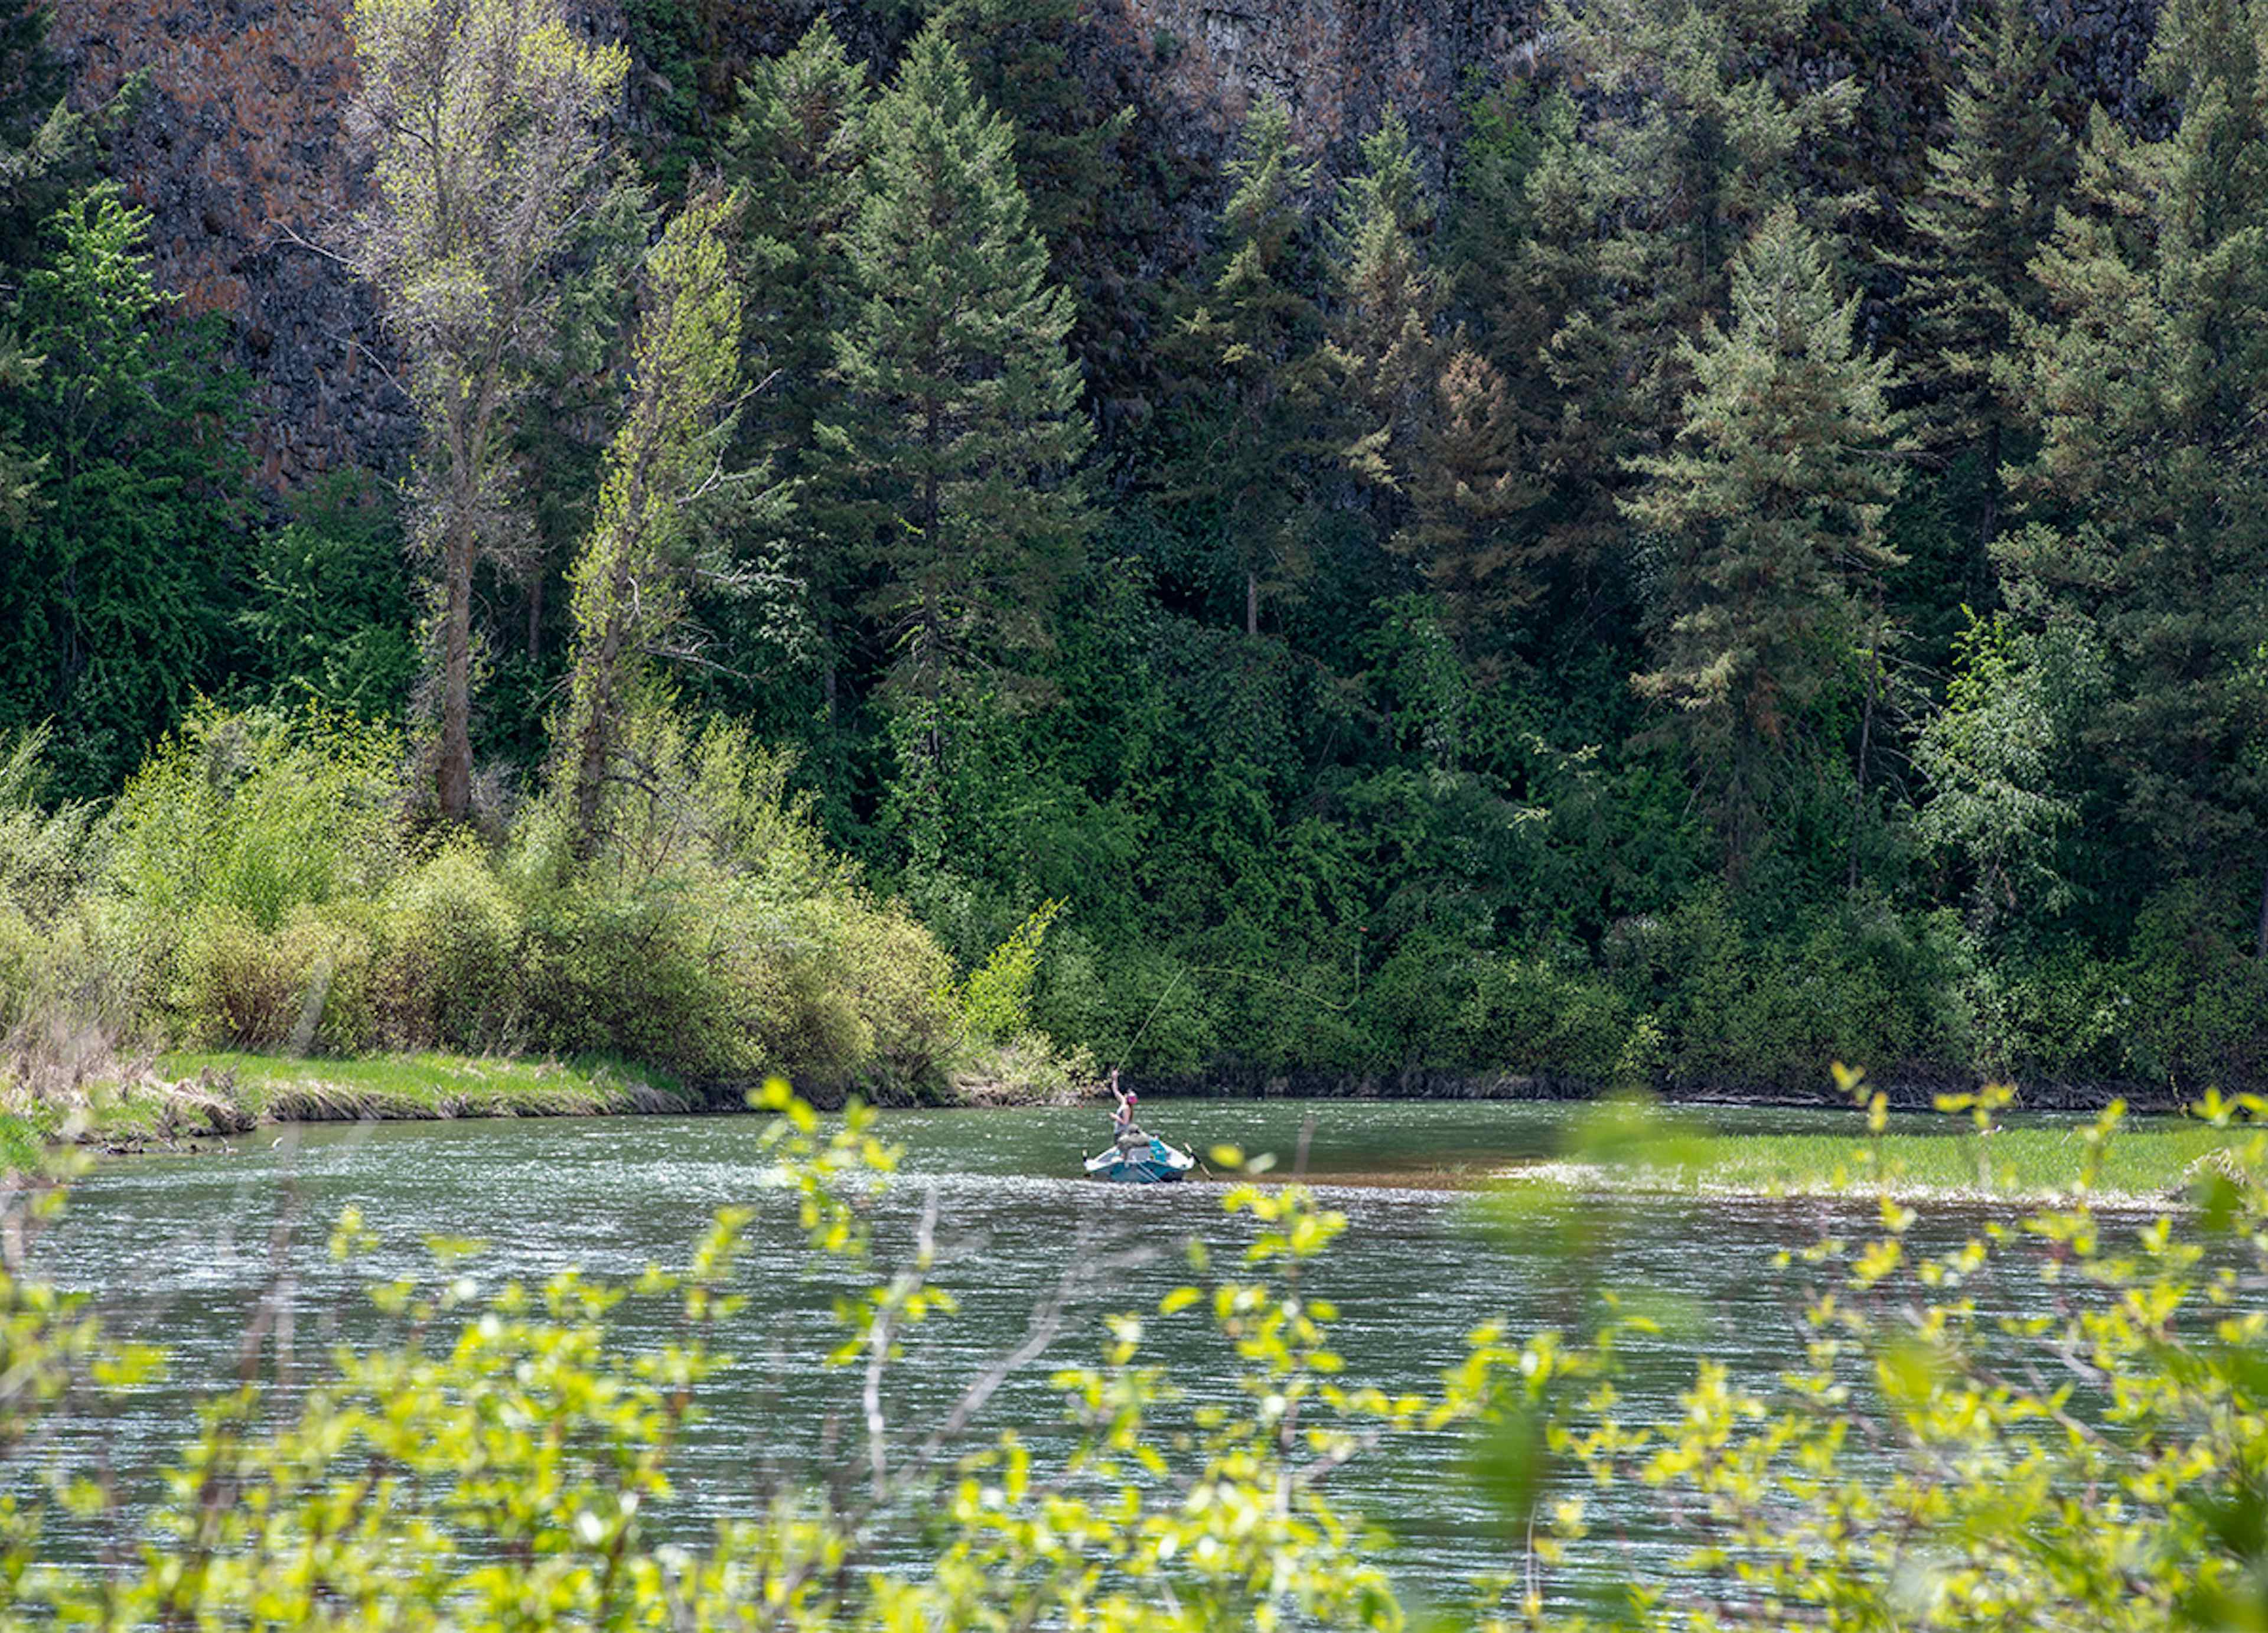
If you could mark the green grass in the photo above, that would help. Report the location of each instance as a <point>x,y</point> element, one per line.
<point>190,1097</point>
<point>276,1088</point>
<point>2152,1160</point>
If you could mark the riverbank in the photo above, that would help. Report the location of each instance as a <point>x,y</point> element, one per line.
<point>199,1101</point>
<point>2033,1164</point>
<point>1910,1089</point>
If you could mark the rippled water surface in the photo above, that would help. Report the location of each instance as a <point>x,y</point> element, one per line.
<point>179,1248</point>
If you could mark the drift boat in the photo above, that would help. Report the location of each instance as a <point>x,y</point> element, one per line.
<point>1154,1164</point>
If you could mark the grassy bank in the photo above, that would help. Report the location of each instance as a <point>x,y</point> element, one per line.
<point>2030,1162</point>
<point>190,1099</point>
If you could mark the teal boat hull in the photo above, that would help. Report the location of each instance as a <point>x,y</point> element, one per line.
<point>1157,1163</point>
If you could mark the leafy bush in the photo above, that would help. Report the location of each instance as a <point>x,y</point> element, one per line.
<point>996,1000</point>
<point>1541,1016</point>
<point>237,819</point>
<point>2197,1000</point>
<point>448,973</point>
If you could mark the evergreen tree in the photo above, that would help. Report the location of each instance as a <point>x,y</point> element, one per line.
<point>330,618</point>
<point>1071,142</point>
<point>1983,214</point>
<point>1020,62</point>
<point>44,146</point>
<point>1256,367</point>
<point>2150,382</point>
<point>1691,141</point>
<point>797,154</point>
<point>1388,299</point>
<point>1469,489</point>
<point>1438,430</point>
<point>1526,244</point>
<point>967,419</point>
<point>1767,518</point>
<point>116,589</point>
<point>1604,192</point>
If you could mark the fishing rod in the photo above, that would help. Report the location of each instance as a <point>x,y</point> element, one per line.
<point>1213,969</point>
<point>1234,975</point>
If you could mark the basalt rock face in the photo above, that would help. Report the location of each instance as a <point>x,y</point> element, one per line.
<point>236,144</point>
<point>239,149</point>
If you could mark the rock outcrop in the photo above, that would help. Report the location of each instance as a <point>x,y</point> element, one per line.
<point>239,153</point>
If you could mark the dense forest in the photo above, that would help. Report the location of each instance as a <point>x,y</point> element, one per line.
<point>1754,553</point>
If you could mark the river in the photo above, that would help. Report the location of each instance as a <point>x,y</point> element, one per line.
<point>178,1250</point>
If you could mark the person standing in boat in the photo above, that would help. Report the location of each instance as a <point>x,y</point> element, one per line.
<point>1122,1120</point>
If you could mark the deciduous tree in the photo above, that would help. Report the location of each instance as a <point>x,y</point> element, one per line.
<point>664,463</point>
<point>486,119</point>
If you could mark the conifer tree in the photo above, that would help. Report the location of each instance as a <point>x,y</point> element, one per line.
<point>115,587</point>
<point>1526,242</point>
<point>1691,143</point>
<point>966,408</point>
<point>1469,486</point>
<point>1383,338</point>
<point>796,152</point>
<point>2150,382</point>
<point>1020,62</point>
<point>1767,518</point>
<point>1983,214</point>
<point>664,462</point>
<point>1255,349</point>
<point>1438,428</point>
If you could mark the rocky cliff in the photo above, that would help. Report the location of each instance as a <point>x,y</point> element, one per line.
<point>239,153</point>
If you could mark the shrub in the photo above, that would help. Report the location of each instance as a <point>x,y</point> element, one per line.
<point>996,1000</point>
<point>2197,1000</point>
<point>245,816</point>
<point>643,971</point>
<point>1545,1016</point>
<point>297,988</point>
<point>902,981</point>
<point>447,974</point>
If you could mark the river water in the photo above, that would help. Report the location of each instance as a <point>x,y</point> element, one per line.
<point>178,1249</point>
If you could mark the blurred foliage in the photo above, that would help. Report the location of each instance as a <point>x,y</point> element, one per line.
<point>2019,1423</point>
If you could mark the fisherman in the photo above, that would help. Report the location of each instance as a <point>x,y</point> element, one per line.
<point>1124,1132</point>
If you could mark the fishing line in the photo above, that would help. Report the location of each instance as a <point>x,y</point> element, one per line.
<point>1234,975</point>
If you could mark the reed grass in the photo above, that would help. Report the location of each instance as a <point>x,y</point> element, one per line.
<point>2151,1161</point>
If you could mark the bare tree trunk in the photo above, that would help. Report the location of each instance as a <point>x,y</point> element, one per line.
<point>1251,602</point>
<point>454,781</point>
<point>2260,933</point>
<point>1866,747</point>
<point>594,738</point>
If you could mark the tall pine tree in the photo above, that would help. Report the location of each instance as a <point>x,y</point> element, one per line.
<point>2150,382</point>
<point>1767,518</point>
<point>1983,214</point>
<point>1389,299</point>
<point>116,587</point>
<point>966,407</point>
<point>1258,428</point>
<point>797,154</point>
<point>1438,431</point>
